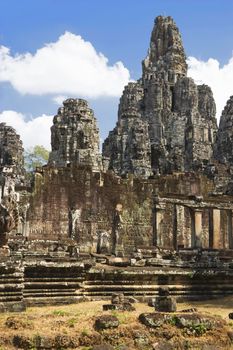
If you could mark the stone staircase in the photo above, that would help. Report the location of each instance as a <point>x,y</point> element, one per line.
<point>11,286</point>
<point>52,283</point>
<point>145,283</point>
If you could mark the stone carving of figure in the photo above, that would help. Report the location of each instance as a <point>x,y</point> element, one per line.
<point>9,217</point>
<point>23,227</point>
<point>117,223</point>
<point>74,216</point>
<point>103,242</point>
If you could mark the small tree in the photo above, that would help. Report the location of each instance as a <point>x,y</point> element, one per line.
<point>35,157</point>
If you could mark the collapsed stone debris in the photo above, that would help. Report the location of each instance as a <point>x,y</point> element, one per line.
<point>119,302</point>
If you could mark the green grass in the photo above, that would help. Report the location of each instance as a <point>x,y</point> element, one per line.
<point>60,313</point>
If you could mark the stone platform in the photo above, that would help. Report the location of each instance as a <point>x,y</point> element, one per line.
<point>65,280</point>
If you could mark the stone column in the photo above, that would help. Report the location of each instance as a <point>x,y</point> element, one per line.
<point>211,229</point>
<point>175,246</point>
<point>196,228</point>
<point>155,219</point>
<point>216,228</point>
<point>229,229</point>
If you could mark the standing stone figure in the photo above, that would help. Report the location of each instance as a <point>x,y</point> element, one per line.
<point>74,216</point>
<point>117,224</point>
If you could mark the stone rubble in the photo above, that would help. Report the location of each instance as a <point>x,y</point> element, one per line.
<point>119,302</point>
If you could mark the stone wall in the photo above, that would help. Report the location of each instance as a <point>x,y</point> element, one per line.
<point>75,203</point>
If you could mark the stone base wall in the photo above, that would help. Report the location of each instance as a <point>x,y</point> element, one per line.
<point>63,282</point>
<point>144,283</point>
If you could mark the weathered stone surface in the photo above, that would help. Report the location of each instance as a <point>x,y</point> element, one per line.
<point>193,321</point>
<point>164,292</point>
<point>11,149</point>
<point>120,307</point>
<point>119,302</point>
<point>179,115</point>
<point>153,320</point>
<point>44,342</point>
<point>75,136</point>
<point>172,103</point>
<point>128,147</point>
<point>11,175</point>
<point>165,304</point>
<point>117,298</point>
<point>22,342</point>
<point>115,261</point>
<point>106,322</point>
<point>13,322</point>
<point>151,302</point>
<point>9,214</point>
<point>168,224</point>
<point>166,43</point>
<point>224,143</point>
<point>193,309</point>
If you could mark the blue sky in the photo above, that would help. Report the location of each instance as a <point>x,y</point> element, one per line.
<point>120,30</point>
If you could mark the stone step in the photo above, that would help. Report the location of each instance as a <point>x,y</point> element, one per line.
<point>55,300</point>
<point>45,294</point>
<point>54,279</point>
<point>62,285</point>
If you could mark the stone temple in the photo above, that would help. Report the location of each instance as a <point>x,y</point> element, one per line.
<point>153,210</point>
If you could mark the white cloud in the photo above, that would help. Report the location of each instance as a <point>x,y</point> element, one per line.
<point>69,66</point>
<point>220,79</point>
<point>32,132</point>
<point>59,99</point>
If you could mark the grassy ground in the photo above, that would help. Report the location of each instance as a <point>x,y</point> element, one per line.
<point>221,307</point>
<point>77,320</point>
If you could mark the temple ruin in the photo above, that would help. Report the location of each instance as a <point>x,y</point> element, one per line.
<point>153,210</point>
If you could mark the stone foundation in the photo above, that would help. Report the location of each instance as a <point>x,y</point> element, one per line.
<point>62,281</point>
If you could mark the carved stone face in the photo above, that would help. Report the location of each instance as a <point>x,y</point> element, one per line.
<point>119,207</point>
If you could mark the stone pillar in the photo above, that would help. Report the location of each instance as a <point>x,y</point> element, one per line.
<point>164,302</point>
<point>192,218</point>
<point>155,219</point>
<point>175,246</point>
<point>196,228</point>
<point>229,228</point>
<point>216,228</point>
<point>211,229</point>
<point>155,228</point>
